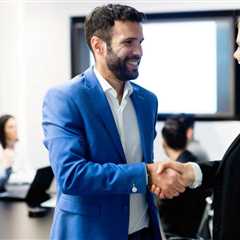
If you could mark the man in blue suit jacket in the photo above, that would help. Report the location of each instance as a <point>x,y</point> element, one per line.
<point>99,129</point>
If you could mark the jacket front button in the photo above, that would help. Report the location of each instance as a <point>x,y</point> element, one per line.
<point>134,189</point>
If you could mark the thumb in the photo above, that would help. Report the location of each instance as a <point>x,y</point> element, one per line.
<point>179,167</point>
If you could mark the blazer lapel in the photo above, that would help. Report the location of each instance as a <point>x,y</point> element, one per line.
<point>138,103</point>
<point>103,111</point>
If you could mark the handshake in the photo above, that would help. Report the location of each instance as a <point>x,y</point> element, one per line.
<point>169,179</point>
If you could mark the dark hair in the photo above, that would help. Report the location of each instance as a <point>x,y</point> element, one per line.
<point>101,20</point>
<point>174,133</point>
<point>3,121</point>
<point>187,119</point>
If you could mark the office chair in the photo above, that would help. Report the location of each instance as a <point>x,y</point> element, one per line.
<point>185,238</point>
<point>205,229</point>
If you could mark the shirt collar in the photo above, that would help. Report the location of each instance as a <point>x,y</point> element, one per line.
<point>128,89</point>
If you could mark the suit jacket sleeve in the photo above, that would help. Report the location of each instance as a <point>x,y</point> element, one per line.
<point>68,148</point>
<point>210,171</point>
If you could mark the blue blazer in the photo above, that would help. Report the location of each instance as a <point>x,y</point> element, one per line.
<point>85,151</point>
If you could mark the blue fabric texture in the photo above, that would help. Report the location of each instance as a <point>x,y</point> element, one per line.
<point>93,179</point>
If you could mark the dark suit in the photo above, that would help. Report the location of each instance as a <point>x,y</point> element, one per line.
<point>182,215</point>
<point>225,177</point>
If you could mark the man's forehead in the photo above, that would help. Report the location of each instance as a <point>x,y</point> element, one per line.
<point>127,29</point>
<point>126,25</point>
<point>238,33</point>
<point>238,23</point>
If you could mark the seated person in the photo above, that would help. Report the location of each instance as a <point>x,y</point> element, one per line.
<point>193,145</point>
<point>181,216</point>
<point>8,139</point>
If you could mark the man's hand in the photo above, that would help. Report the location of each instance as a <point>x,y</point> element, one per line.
<point>164,181</point>
<point>185,169</point>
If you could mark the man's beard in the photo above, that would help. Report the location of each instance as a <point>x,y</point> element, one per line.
<point>119,67</point>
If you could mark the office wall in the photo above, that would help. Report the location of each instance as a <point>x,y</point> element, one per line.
<point>8,56</point>
<point>35,55</point>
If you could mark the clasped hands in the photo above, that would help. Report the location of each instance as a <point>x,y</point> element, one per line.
<point>169,178</point>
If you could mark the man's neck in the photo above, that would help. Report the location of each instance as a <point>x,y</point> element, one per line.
<point>10,144</point>
<point>117,85</point>
<point>174,154</point>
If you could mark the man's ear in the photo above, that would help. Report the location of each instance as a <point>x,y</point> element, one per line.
<point>189,133</point>
<point>98,45</point>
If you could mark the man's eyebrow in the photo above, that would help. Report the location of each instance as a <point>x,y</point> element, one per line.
<point>132,38</point>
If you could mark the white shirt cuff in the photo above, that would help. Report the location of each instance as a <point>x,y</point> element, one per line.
<point>146,174</point>
<point>198,175</point>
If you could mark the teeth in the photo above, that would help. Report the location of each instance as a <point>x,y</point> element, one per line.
<point>135,63</point>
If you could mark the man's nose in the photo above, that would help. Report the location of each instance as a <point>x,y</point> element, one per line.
<point>138,51</point>
<point>236,54</point>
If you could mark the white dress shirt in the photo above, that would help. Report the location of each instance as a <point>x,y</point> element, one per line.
<point>127,125</point>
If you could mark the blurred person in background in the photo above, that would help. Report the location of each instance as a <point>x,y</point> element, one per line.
<point>193,145</point>
<point>8,139</point>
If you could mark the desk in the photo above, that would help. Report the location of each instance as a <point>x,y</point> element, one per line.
<point>16,224</point>
<point>51,203</point>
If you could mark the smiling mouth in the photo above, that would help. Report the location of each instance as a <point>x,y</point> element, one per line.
<point>133,63</point>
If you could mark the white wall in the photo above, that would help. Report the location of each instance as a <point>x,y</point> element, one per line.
<point>8,56</point>
<point>35,54</point>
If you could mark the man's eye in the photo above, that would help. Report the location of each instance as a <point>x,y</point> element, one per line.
<point>128,42</point>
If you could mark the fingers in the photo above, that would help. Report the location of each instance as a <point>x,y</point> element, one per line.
<point>167,185</point>
<point>170,193</point>
<point>179,167</point>
<point>164,194</point>
<point>179,187</point>
<point>176,179</point>
<point>156,190</point>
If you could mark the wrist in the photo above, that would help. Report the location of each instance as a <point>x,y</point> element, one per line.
<point>196,174</point>
<point>190,177</point>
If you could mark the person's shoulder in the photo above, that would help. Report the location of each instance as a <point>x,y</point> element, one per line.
<point>143,90</point>
<point>72,87</point>
<point>186,156</point>
<point>190,156</point>
<point>195,147</point>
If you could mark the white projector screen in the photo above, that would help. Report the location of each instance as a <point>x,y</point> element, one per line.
<point>189,66</point>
